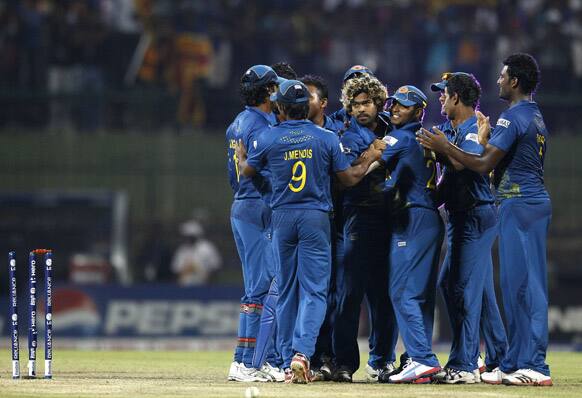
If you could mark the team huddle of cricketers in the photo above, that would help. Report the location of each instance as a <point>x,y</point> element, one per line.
<point>331,209</point>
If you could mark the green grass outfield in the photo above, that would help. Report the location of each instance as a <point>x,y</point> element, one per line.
<point>203,374</point>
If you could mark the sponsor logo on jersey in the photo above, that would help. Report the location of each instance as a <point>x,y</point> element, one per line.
<point>255,144</point>
<point>402,244</point>
<point>344,149</point>
<point>472,137</point>
<point>389,140</point>
<point>503,122</point>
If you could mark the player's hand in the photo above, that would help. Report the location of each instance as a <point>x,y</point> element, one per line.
<point>372,153</point>
<point>484,128</point>
<point>436,141</point>
<point>241,151</point>
<point>379,144</point>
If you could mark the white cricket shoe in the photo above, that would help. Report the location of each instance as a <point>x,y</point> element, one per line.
<point>372,374</point>
<point>477,375</point>
<point>440,375</point>
<point>250,375</point>
<point>496,376</point>
<point>415,373</point>
<point>454,376</point>
<point>233,371</point>
<point>527,377</point>
<point>274,373</point>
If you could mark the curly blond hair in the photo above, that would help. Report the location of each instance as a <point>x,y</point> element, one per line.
<point>364,84</point>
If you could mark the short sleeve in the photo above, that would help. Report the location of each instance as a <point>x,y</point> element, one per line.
<point>257,151</point>
<point>393,147</point>
<point>470,144</point>
<point>339,161</point>
<point>505,134</point>
<point>253,134</point>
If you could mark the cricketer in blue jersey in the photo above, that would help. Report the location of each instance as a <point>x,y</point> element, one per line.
<point>323,360</point>
<point>364,271</point>
<point>354,71</point>
<point>417,233</point>
<point>466,275</point>
<point>300,158</point>
<point>251,218</point>
<point>516,152</point>
<point>266,355</point>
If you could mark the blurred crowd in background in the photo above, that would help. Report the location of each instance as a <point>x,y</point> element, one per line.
<point>94,65</point>
<point>173,66</point>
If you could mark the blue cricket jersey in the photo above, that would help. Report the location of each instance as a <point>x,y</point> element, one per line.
<point>464,189</point>
<point>300,157</point>
<point>355,140</point>
<point>522,134</point>
<point>332,124</point>
<point>340,116</point>
<point>412,169</point>
<point>247,126</point>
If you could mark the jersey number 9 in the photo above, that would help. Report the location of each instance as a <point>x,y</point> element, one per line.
<point>298,176</point>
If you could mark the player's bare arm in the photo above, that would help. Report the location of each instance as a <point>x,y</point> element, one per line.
<point>354,174</point>
<point>241,155</point>
<point>439,143</point>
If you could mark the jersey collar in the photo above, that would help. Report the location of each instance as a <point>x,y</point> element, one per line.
<point>295,122</point>
<point>467,123</point>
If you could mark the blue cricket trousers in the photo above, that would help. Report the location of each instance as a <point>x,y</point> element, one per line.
<point>302,249</point>
<point>417,236</point>
<point>251,226</point>
<point>523,231</point>
<point>324,344</point>
<point>491,324</point>
<point>462,279</point>
<point>364,272</point>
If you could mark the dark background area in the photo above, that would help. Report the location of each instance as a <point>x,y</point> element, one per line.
<point>130,99</point>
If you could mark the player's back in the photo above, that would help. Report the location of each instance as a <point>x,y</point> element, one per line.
<point>522,133</point>
<point>247,126</point>
<point>300,156</point>
<point>412,169</point>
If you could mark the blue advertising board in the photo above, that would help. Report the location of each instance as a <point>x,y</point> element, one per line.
<point>141,311</point>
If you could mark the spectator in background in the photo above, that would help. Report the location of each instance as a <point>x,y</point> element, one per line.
<point>32,68</point>
<point>574,29</point>
<point>88,34</point>
<point>553,51</point>
<point>194,53</point>
<point>196,258</point>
